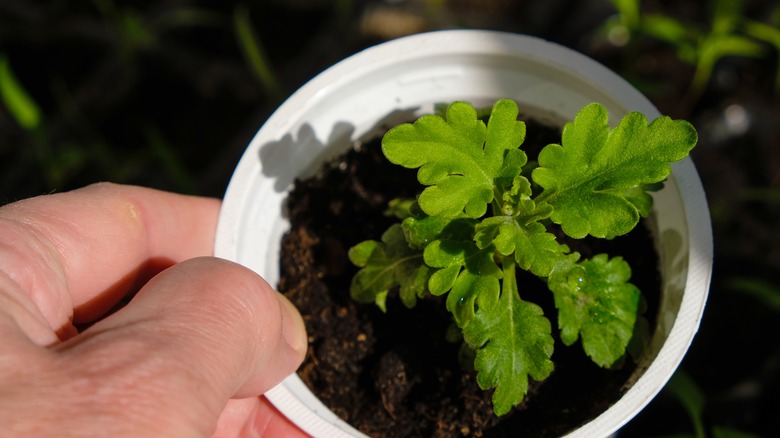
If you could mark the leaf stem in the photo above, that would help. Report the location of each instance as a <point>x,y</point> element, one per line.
<point>509,280</point>
<point>497,204</point>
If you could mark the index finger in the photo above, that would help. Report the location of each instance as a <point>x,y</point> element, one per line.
<point>77,253</point>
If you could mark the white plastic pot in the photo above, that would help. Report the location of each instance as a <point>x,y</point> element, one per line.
<point>409,75</point>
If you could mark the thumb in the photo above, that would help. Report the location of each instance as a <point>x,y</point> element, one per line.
<point>201,332</point>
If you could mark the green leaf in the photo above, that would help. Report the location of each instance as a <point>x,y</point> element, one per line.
<point>683,37</point>
<point>640,199</point>
<point>16,99</point>
<point>517,202</point>
<point>401,208</point>
<point>591,180</point>
<point>716,47</point>
<point>513,342</point>
<point>254,52</point>
<point>764,32</point>
<point>459,158</point>
<point>534,249</point>
<point>628,10</point>
<point>596,303</point>
<point>385,265</point>
<point>766,292</point>
<point>466,272</point>
<point>519,231</point>
<point>421,229</point>
<point>725,15</point>
<point>688,393</point>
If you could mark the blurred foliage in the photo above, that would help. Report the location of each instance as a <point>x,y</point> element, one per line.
<point>168,93</point>
<point>728,33</point>
<point>684,389</point>
<point>16,99</point>
<point>137,92</point>
<point>254,53</point>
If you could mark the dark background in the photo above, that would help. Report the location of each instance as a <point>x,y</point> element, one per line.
<point>168,93</point>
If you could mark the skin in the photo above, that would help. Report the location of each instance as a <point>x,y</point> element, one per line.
<point>187,356</point>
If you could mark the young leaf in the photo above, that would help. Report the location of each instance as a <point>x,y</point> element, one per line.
<point>533,248</point>
<point>595,302</point>
<point>517,201</point>
<point>466,272</point>
<point>520,233</point>
<point>591,180</point>
<point>460,159</point>
<point>387,264</point>
<point>513,342</point>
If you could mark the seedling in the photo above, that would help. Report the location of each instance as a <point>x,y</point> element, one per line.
<point>486,211</point>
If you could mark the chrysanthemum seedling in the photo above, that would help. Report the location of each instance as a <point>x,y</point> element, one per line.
<point>485,212</point>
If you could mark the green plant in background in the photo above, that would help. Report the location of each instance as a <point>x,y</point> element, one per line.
<point>254,53</point>
<point>685,390</point>
<point>128,35</point>
<point>17,101</point>
<point>729,34</point>
<point>485,213</point>
<point>26,112</point>
<point>58,163</point>
<point>135,32</point>
<point>769,33</point>
<point>764,291</point>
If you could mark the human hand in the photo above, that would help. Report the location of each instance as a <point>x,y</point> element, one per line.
<point>187,356</point>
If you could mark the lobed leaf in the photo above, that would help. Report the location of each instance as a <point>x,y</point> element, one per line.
<point>591,180</point>
<point>385,265</point>
<point>596,303</point>
<point>532,246</point>
<point>459,158</point>
<point>467,272</point>
<point>513,342</point>
<point>517,200</point>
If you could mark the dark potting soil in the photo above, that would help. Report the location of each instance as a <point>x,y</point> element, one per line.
<point>394,374</point>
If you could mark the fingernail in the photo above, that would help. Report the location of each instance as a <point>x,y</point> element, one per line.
<point>293,329</point>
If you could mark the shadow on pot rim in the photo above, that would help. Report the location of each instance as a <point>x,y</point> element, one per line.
<point>411,74</point>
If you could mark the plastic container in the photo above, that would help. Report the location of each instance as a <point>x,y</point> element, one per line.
<point>408,76</point>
